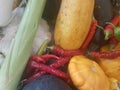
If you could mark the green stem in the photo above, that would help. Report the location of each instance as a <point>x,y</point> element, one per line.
<point>51,47</point>
<point>107,33</point>
<point>42,47</point>
<point>111,24</point>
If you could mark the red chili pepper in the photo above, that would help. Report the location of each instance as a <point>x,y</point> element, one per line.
<point>66,53</point>
<point>37,73</point>
<point>51,70</point>
<point>48,56</point>
<point>60,62</point>
<point>56,64</point>
<point>44,58</point>
<point>119,22</point>
<point>38,59</point>
<point>107,55</point>
<point>29,70</point>
<point>90,34</point>
<point>108,31</point>
<point>55,72</point>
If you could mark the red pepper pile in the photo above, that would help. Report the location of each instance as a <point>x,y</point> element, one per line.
<point>38,66</point>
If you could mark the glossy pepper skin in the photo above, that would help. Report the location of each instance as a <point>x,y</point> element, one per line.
<point>103,12</point>
<point>47,82</point>
<point>90,34</point>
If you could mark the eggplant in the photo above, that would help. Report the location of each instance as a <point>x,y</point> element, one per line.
<point>116,7</point>
<point>97,41</point>
<point>47,82</point>
<point>117,10</point>
<point>51,10</point>
<point>113,2</point>
<point>103,12</point>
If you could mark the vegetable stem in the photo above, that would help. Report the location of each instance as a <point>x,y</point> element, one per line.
<point>42,47</point>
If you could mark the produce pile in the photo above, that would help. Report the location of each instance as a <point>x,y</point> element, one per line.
<point>66,45</point>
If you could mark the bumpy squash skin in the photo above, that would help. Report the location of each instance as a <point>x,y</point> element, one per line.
<point>87,74</point>
<point>110,67</point>
<point>73,23</point>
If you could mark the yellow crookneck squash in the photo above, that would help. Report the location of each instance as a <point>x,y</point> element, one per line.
<point>73,23</point>
<point>110,67</point>
<point>87,74</point>
<point>115,84</point>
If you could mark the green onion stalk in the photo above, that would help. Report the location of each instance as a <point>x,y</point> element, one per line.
<point>20,49</point>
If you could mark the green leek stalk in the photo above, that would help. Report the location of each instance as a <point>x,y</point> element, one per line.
<point>20,49</point>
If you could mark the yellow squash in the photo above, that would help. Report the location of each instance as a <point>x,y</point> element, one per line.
<point>110,67</point>
<point>114,84</point>
<point>73,23</point>
<point>87,74</point>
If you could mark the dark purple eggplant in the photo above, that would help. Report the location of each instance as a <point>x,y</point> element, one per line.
<point>47,82</point>
<point>103,12</point>
<point>117,10</point>
<point>51,10</point>
<point>113,2</point>
<point>116,7</point>
<point>97,41</point>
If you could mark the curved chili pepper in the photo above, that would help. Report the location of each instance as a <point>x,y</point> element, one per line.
<point>66,53</point>
<point>56,64</point>
<point>51,70</point>
<point>47,69</point>
<point>38,59</point>
<point>107,55</point>
<point>90,34</point>
<point>29,70</point>
<point>109,29</point>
